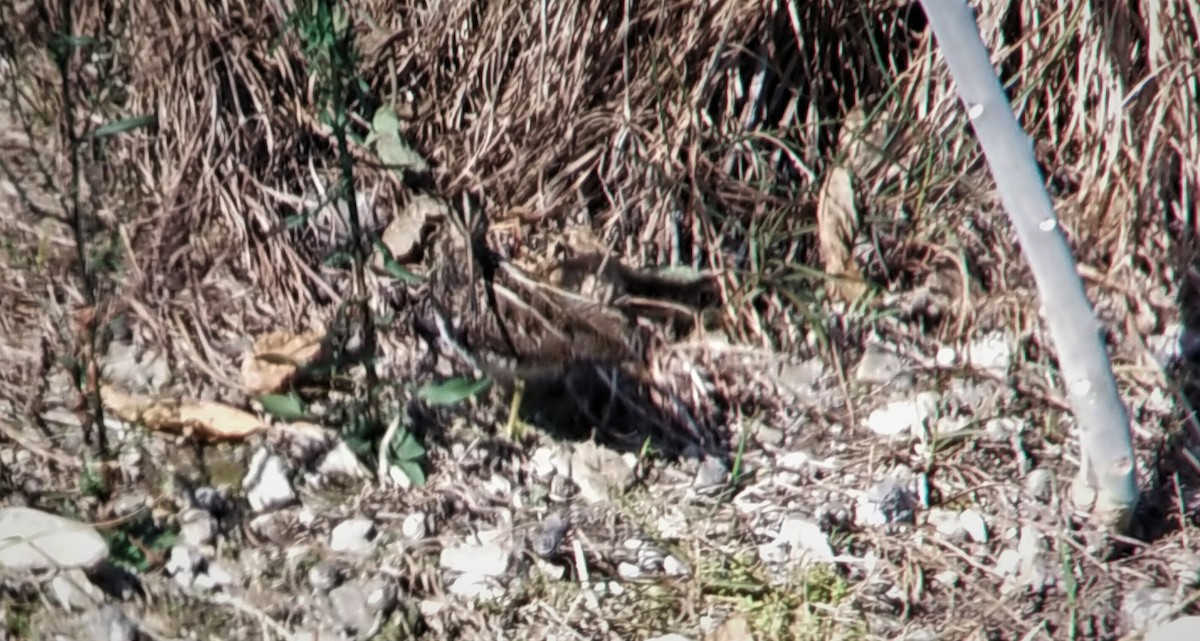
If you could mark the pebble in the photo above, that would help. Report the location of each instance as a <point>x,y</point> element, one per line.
<point>414,527</point>
<point>324,576</point>
<point>197,527</point>
<point>1144,605</point>
<point>1038,484</point>
<point>75,591</point>
<point>109,623</point>
<point>266,482</point>
<point>902,418</point>
<point>887,502</point>
<point>991,353</point>
<point>353,536</point>
<point>879,365</point>
<point>488,560</point>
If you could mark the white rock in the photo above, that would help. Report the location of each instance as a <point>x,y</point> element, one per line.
<point>975,525</point>
<point>992,353</point>
<point>544,464</point>
<point>1009,562</point>
<point>946,356</point>
<point>182,564</point>
<point>475,586</point>
<point>1144,605</point>
<point>487,560</point>
<point>805,540</point>
<point>948,578</point>
<point>1181,628</point>
<point>629,571</point>
<point>34,540</point>
<point>197,527</point>
<point>1038,484</point>
<point>109,623</point>
<point>1005,427</point>
<point>340,460</point>
<point>215,576</point>
<point>413,526</point>
<point>74,591</point>
<point>498,486</point>
<point>353,536</point>
<point>267,485</point>
<point>947,523</point>
<point>674,566</point>
<point>900,418</point>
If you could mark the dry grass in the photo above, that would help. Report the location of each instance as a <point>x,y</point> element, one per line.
<point>676,133</point>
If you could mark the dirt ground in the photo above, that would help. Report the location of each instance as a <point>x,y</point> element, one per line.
<point>468,320</point>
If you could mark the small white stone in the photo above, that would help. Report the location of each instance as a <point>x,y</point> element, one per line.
<point>903,417</point>
<point>485,560</point>
<point>974,525</point>
<point>992,353</point>
<point>197,527</point>
<point>948,578</point>
<point>543,463</point>
<point>216,576</point>
<point>806,540</point>
<point>673,566</point>
<point>475,587</point>
<point>340,460</point>
<point>413,526</point>
<point>629,571</point>
<point>1009,562</point>
<point>498,486</point>
<point>1048,225</point>
<point>267,484</point>
<point>946,356</point>
<point>946,523</point>
<point>353,536</point>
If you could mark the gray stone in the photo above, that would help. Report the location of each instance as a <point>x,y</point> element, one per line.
<point>1144,605</point>
<point>34,540</point>
<point>109,623</point>
<point>880,365</point>
<point>197,527</point>
<point>1181,628</point>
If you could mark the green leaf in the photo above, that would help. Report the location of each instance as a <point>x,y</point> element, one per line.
<point>396,154</point>
<point>285,406</point>
<point>394,268</point>
<point>385,122</point>
<point>406,447</point>
<point>453,391</point>
<point>295,220</point>
<point>338,259</point>
<point>390,144</point>
<point>413,471</point>
<point>121,126</point>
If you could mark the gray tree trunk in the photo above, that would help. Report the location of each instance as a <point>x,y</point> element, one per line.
<point>1107,481</point>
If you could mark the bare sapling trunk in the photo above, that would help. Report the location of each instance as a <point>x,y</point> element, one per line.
<point>1107,480</point>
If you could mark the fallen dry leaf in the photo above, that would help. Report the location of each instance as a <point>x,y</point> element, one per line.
<point>276,357</point>
<point>208,418</point>
<point>837,226</point>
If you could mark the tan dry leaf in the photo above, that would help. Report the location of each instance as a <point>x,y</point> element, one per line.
<point>208,418</point>
<point>838,222</point>
<point>275,357</point>
<point>403,235</point>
